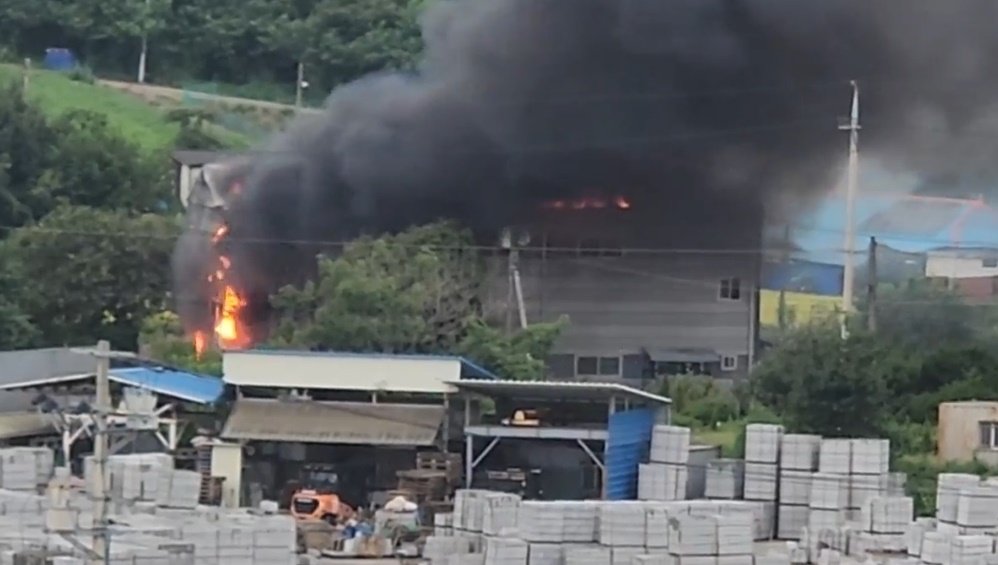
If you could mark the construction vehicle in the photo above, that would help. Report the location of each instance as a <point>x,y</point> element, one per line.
<point>318,499</point>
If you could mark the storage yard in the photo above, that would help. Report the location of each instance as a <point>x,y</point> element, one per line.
<point>807,500</point>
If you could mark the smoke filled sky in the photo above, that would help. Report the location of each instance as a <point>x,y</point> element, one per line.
<point>688,105</point>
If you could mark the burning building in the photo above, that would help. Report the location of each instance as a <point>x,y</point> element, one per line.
<point>637,141</point>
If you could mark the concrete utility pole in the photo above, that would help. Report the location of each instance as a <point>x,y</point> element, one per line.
<point>102,545</point>
<point>871,287</point>
<point>300,85</point>
<point>145,49</point>
<point>101,482</point>
<point>849,241</point>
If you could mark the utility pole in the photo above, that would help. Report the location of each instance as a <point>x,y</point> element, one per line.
<point>849,241</point>
<point>300,84</point>
<point>871,287</point>
<point>781,312</point>
<point>145,47</point>
<point>101,482</point>
<point>102,545</point>
<point>27,73</point>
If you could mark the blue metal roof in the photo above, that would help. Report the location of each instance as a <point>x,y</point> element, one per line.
<point>469,369</point>
<point>170,382</point>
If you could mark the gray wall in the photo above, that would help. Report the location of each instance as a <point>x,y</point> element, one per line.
<point>620,302</point>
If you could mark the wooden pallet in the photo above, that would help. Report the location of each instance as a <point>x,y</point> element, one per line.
<point>450,463</point>
<point>424,484</point>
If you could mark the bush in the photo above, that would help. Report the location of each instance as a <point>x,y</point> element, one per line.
<point>702,400</point>
<point>82,74</point>
<point>923,472</point>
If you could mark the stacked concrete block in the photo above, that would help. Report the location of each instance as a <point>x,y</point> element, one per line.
<point>581,521</point>
<point>868,470</point>
<point>762,457</point>
<point>540,522</point>
<point>948,487</point>
<point>625,555</point>
<point>545,554</point>
<point>734,535</point>
<point>18,470</point>
<point>936,549</point>
<point>691,535</point>
<point>914,533</point>
<point>588,555</point>
<point>499,513</point>
<point>657,527</point>
<point>505,551</point>
<point>791,521</point>
<point>725,479</point>
<point>469,510</point>
<point>835,456</point>
<point>623,524</point>
<point>799,452</point>
<point>888,515</point>
<point>662,481</point>
<point>443,524</point>
<point>977,509</point>
<point>970,550</point>
<point>666,475</point>
<point>828,502</point>
<point>651,559</point>
<point>465,559</point>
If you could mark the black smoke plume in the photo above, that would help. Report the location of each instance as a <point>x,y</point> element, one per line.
<point>697,107</point>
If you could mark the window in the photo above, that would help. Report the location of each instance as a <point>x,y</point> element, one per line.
<point>675,368</point>
<point>731,289</point>
<point>597,366</point>
<point>989,435</point>
<point>729,362</point>
<point>990,263</point>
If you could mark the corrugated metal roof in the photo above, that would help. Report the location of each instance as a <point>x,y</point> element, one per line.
<point>555,390</point>
<point>24,424</point>
<point>168,382</point>
<point>29,364</point>
<point>333,422</point>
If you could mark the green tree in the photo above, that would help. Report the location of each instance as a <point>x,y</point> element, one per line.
<point>821,383</point>
<point>16,329</point>
<point>414,292</point>
<point>27,148</point>
<point>163,339</point>
<point>86,274</point>
<point>923,314</point>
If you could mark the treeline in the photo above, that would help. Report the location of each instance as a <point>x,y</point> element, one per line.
<point>231,41</point>
<point>87,224</point>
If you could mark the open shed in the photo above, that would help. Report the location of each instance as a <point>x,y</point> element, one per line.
<point>611,423</point>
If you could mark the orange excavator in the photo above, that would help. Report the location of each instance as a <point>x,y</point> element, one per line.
<point>318,500</point>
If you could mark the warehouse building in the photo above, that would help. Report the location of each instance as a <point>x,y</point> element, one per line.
<point>353,419</point>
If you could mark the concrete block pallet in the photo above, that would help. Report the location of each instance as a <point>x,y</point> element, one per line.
<point>662,481</point>
<point>725,479</point>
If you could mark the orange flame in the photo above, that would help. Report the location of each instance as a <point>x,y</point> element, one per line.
<point>589,203</point>
<point>199,344</point>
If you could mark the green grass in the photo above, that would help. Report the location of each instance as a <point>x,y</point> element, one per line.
<point>143,124</point>
<point>725,435</point>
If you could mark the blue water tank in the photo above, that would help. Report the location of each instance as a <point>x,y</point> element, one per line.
<point>59,59</point>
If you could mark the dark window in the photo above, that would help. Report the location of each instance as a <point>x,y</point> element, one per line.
<point>609,365</point>
<point>731,289</point>
<point>990,263</point>
<point>675,368</point>
<point>587,365</point>
<point>989,435</point>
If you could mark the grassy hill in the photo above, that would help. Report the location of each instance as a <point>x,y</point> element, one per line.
<point>144,124</point>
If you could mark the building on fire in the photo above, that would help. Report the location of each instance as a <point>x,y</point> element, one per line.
<point>644,297</point>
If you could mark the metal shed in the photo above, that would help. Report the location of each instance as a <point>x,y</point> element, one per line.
<point>622,433</point>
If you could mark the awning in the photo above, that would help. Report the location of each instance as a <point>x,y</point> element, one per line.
<point>333,422</point>
<point>24,424</point>
<point>690,355</point>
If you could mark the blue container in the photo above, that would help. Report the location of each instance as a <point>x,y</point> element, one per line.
<point>59,59</point>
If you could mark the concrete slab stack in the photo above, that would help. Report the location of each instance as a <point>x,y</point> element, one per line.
<point>18,470</point>
<point>588,555</point>
<point>540,522</point>
<point>970,550</point>
<point>666,474</point>
<point>499,513</point>
<point>936,549</point>
<point>869,466</point>
<point>948,487</point>
<point>623,524</point>
<point>657,526</point>
<point>581,521</point>
<point>691,535</point>
<point>762,458</point>
<point>505,551</point>
<point>625,555</point>
<point>662,481</point>
<point>725,479</point>
<point>977,509</point>
<point>888,514</point>
<point>795,497</point>
<point>734,536</point>
<point>469,512</point>
<point>828,501</point>
<point>545,554</point>
<point>443,524</point>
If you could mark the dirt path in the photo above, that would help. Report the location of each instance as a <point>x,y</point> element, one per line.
<point>160,94</point>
